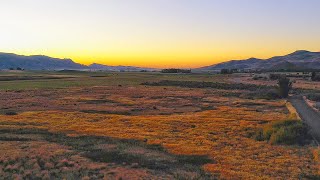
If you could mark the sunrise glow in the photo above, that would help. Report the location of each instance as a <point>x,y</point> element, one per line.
<point>166,33</point>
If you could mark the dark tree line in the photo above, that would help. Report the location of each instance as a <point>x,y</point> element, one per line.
<point>176,71</point>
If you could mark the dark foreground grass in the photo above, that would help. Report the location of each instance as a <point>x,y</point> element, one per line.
<point>119,151</point>
<point>125,152</point>
<point>106,112</point>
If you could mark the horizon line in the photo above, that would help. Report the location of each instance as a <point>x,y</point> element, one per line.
<point>75,61</point>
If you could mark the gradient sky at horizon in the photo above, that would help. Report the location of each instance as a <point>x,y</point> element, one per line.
<point>159,33</point>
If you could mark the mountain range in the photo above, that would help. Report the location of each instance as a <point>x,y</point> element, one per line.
<point>297,60</point>
<point>39,62</point>
<point>8,60</point>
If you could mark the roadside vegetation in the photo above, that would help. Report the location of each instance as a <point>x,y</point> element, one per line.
<point>314,97</point>
<point>285,132</point>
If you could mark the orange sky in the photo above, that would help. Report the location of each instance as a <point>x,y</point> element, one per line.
<point>159,33</point>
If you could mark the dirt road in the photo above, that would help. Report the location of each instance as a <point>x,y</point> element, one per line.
<point>309,115</point>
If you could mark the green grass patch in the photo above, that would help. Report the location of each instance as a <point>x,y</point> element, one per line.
<point>26,80</point>
<point>286,132</point>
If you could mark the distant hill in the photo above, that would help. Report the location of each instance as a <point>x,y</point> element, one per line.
<point>295,61</point>
<point>38,62</point>
<point>96,66</point>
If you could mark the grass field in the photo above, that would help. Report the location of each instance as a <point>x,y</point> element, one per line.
<point>87,79</point>
<point>96,125</point>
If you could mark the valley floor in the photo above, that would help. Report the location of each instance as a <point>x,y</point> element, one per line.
<point>109,126</point>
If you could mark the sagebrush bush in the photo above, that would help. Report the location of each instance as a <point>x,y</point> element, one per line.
<point>289,132</point>
<point>270,94</point>
<point>11,113</point>
<point>275,76</point>
<point>314,96</point>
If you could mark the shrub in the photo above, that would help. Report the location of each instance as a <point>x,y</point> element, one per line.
<point>288,132</point>
<point>271,94</point>
<point>255,78</point>
<point>314,97</point>
<point>11,113</point>
<point>315,76</point>
<point>275,76</point>
<point>225,71</point>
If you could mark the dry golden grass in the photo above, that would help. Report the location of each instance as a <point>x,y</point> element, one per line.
<point>214,123</point>
<point>222,134</point>
<point>293,112</point>
<point>44,160</point>
<point>116,100</point>
<point>316,156</point>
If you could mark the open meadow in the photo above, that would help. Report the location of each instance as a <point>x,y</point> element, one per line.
<point>98,125</point>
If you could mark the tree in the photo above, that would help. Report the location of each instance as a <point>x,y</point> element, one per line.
<point>275,76</point>
<point>313,76</point>
<point>225,71</point>
<point>175,71</point>
<point>285,85</point>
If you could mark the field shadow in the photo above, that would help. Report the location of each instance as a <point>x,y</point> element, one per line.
<point>124,152</point>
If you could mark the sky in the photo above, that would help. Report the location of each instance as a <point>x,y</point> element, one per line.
<point>159,33</point>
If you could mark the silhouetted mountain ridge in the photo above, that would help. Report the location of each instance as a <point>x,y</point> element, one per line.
<point>300,59</point>
<point>36,62</point>
<point>40,62</point>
